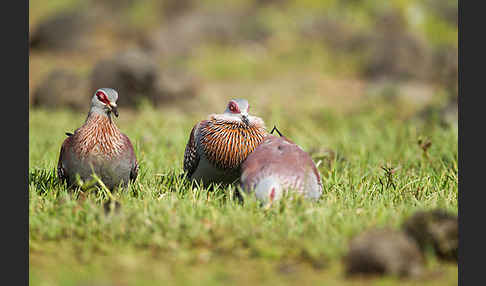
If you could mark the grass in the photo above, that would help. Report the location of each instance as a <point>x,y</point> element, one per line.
<point>170,231</point>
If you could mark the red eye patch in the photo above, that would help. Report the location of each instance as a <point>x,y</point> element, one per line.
<point>233,107</point>
<point>102,97</point>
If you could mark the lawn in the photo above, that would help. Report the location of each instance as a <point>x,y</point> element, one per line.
<point>345,80</point>
<point>171,231</point>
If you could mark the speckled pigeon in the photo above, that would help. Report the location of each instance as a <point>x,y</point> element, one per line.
<point>99,146</point>
<point>277,166</point>
<point>217,146</point>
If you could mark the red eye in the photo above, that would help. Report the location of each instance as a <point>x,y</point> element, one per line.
<point>102,96</point>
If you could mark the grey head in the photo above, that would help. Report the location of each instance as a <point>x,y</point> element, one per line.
<point>238,108</point>
<point>104,101</point>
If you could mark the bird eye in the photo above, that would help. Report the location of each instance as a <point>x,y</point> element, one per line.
<point>102,97</point>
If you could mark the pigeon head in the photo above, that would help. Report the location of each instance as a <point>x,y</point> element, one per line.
<point>104,101</point>
<point>238,108</point>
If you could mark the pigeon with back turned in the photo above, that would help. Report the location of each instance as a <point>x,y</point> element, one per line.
<point>278,166</point>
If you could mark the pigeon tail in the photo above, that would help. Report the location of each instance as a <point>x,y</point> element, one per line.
<point>268,190</point>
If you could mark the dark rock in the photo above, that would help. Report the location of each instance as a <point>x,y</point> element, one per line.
<point>287,268</point>
<point>388,50</point>
<point>182,35</point>
<point>175,8</point>
<point>446,114</point>
<point>135,75</point>
<point>445,9</point>
<point>63,31</point>
<point>176,85</point>
<point>393,52</point>
<point>384,252</point>
<point>435,229</point>
<point>62,88</point>
<point>265,3</point>
<point>449,115</point>
<point>336,34</point>
<point>132,73</point>
<point>445,69</point>
<point>116,6</point>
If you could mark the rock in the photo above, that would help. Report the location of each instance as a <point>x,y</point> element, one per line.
<point>287,268</point>
<point>135,75</point>
<point>266,3</point>
<point>63,31</point>
<point>183,34</point>
<point>449,113</point>
<point>175,8</point>
<point>132,73</point>
<point>446,114</point>
<point>393,52</point>
<point>62,88</point>
<point>445,9</point>
<point>445,69</point>
<point>389,50</point>
<point>436,229</point>
<point>384,252</point>
<point>337,34</point>
<point>115,6</point>
<point>176,85</point>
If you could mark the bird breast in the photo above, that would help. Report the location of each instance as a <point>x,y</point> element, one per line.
<point>99,137</point>
<point>227,144</point>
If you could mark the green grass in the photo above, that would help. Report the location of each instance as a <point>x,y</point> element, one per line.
<point>170,231</point>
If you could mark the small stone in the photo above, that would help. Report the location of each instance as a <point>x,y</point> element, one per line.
<point>436,229</point>
<point>384,252</point>
<point>132,73</point>
<point>62,88</point>
<point>63,31</point>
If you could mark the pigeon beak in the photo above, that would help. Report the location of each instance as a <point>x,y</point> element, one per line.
<point>114,108</point>
<point>244,118</point>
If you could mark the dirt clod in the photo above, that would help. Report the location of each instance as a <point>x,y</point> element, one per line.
<point>384,252</point>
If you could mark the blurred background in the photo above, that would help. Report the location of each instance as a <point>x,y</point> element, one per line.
<point>189,55</point>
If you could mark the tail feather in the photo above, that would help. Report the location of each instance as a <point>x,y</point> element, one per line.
<point>268,189</point>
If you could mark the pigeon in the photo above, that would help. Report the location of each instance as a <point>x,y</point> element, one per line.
<point>278,166</point>
<point>99,147</point>
<point>218,145</point>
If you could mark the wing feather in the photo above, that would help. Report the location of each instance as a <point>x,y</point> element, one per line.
<point>134,171</point>
<point>61,171</point>
<point>131,153</point>
<point>191,156</point>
